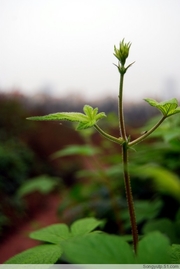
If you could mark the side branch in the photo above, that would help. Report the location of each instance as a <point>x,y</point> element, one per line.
<point>141,138</point>
<point>109,137</point>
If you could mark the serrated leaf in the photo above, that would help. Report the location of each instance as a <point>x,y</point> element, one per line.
<point>98,249</point>
<point>154,248</point>
<point>70,116</point>
<point>54,233</point>
<point>44,254</point>
<point>86,120</point>
<point>84,226</point>
<point>90,112</point>
<point>85,125</point>
<point>100,116</point>
<point>167,108</point>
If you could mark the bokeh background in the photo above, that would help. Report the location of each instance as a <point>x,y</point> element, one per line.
<point>62,47</point>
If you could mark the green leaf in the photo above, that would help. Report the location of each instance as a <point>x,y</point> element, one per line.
<point>154,248</point>
<point>175,254</point>
<point>84,226</point>
<point>167,108</point>
<point>164,180</point>
<point>44,184</point>
<point>54,233</point>
<point>98,249</point>
<point>44,254</point>
<point>145,210</point>
<point>84,150</point>
<point>85,121</point>
<point>70,116</point>
<point>164,226</point>
<point>92,117</point>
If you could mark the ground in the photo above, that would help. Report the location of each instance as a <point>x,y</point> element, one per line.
<point>17,240</point>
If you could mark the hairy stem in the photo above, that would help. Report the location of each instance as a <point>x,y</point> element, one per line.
<point>125,166</point>
<point>129,197</point>
<point>109,137</point>
<point>121,113</point>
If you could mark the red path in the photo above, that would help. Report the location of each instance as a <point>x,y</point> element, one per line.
<point>18,241</point>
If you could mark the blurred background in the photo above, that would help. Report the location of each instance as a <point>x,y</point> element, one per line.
<point>61,47</point>
<point>56,56</point>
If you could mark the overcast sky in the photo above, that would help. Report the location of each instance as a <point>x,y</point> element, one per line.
<point>66,46</point>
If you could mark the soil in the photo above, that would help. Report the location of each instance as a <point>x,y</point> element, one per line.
<point>43,213</point>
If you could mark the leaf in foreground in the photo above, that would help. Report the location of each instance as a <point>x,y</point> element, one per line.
<point>56,233</point>
<point>163,225</point>
<point>44,254</point>
<point>85,226</point>
<point>154,248</point>
<point>98,249</point>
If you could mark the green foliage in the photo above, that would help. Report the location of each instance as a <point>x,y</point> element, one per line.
<point>93,199</point>
<point>154,248</point>
<point>54,234</point>
<point>85,226</point>
<point>45,254</point>
<point>169,131</point>
<point>165,226</point>
<point>80,244</point>
<point>57,233</point>
<point>167,108</point>
<point>44,184</point>
<point>86,200</point>
<point>175,254</point>
<point>145,210</point>
<point>82,150</point>
<point>98,249</point>
<point>15,162</point>
<point>86,120</point>
<point>164,180</point>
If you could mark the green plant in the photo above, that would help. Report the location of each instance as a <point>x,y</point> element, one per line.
<point>80,245</point>
<point>16,160</point>
<point>44,184</point>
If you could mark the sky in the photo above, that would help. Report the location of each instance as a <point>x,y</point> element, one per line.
<point>65,47</point>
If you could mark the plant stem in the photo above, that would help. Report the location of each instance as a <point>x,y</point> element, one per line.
<point>121,113</point>
<point>127,181</point>
<point>109,137</point>
<point>129,196</point>
<point>142,137</point>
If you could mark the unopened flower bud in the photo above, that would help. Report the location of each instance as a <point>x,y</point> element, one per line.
<point>122,53</point>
